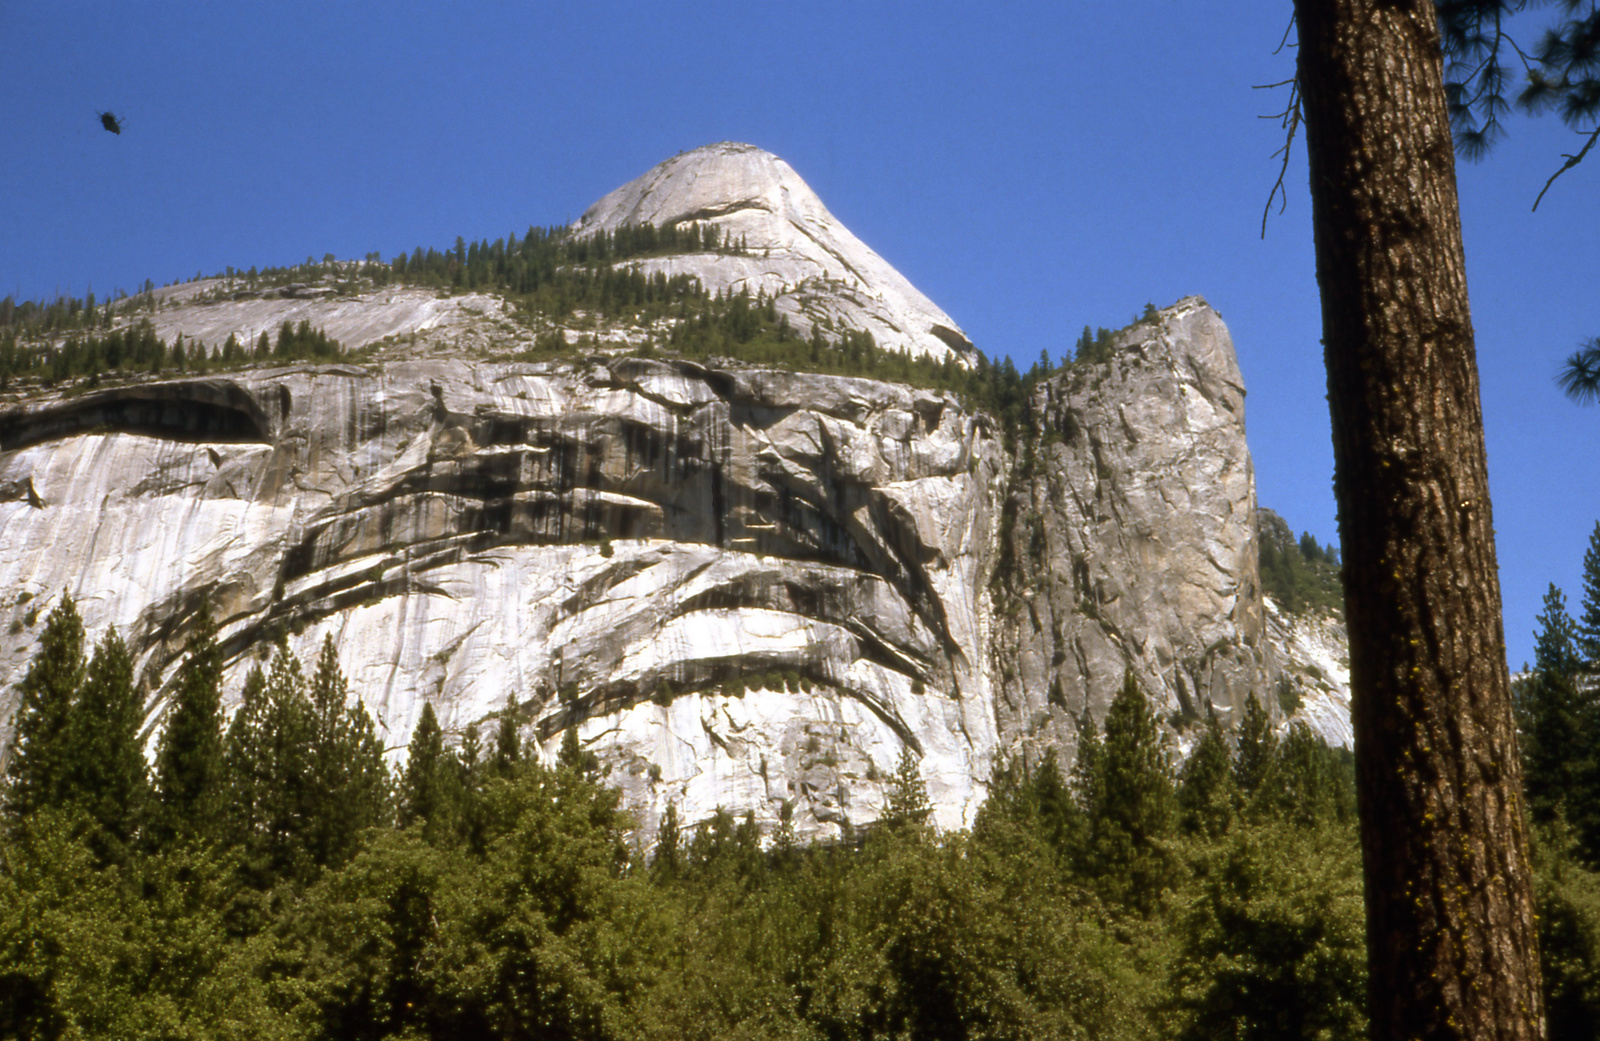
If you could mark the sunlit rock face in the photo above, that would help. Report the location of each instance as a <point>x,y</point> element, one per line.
<point>1132,544</point>
<point>742,587</point>
<point>650,551</point>
<point>794,249</point>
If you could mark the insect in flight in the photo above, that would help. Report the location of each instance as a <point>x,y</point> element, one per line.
<point>111,122</point>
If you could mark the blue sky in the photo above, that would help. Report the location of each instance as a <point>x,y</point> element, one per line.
<point>1031,167</point>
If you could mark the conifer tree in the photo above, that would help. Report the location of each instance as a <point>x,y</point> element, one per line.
<point>282,767</point>
<point>907,808</point>
<point>241,759</point>
<point>190,774</point>
<point>430,787</point>
<point>665,865</point>
<point>368,785</point>
<point>104,769</point>
<point>1588,628</point>
<point>1206,792</point>
<point>1050,799</point>
<point>1258,748</point>
<point>1304,786</point>
<point>37,772</point>
<point>507,745</point>
<point>1126,850</point>
<point>1552,716</point>
<point>573,756</point>
<point>1088,767</point>
<point>346,779</point>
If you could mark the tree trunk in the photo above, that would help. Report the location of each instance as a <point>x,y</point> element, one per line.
<point>1451,945</point>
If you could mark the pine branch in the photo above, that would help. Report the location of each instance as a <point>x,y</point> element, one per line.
<point>1289,119</point>
<point>1580,376</point>
<point>1571,161</point>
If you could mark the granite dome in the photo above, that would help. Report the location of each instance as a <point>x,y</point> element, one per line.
<point>795,250</point>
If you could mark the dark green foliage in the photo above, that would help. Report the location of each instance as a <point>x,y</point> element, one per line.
<point>1586,636</point>
<point>1554,718</point>
<point>1206,791</point>
<point>507,745</point>
<point>1038,804</point>
<point>297,342</point>
<point>1275,949</point>
<point>77,750</point>
<point>1088,765</point>
<point>37,771</point>
<point>1579,376</point>
<point>1130,804</point>
<point>573,756</point>
<point>1257,748</point>
<point>241,753</point>
<point>1101,905</point>
<point>104,769</point>
<point>189,775</point>
<point>279,840</point>
<point>907,808</point>
<point>667,861</point>
<point>348,784</point>
<point>1310,782</point>
<point>429,786</point>
<point>1569,938</point>
<point>1095,349</point>
<point>1301,575</point>
<point>135,349</point>
<point>1562,76</point>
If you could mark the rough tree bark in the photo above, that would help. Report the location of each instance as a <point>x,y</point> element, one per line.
<point>1451,944</point>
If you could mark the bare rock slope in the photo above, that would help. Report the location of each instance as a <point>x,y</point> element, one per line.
<point>794,249</point>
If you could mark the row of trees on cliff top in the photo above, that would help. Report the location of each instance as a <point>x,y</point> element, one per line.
<point>269,876</point>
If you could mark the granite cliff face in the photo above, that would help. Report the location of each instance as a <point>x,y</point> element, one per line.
<point>651,551</point>
<point>742,586</point>
<point>1131,540</point>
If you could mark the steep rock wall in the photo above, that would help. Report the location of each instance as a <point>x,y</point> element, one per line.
<point>743,586</point>
<point>1130,540</point>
